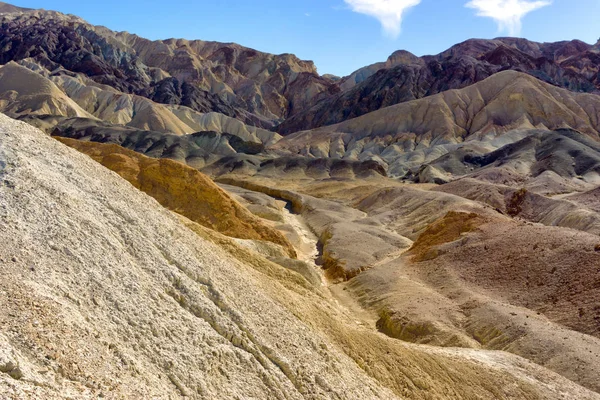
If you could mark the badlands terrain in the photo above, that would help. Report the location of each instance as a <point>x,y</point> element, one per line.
<point>189,219</point>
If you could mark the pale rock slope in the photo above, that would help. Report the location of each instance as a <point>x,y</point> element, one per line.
<point>107,294</point>
<point>27,93</point>
<point>115,107</point>
<point>30,89</point>
<point>413,133</point>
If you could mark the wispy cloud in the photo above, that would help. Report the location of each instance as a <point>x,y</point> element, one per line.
<point>507,13</point>
<point>388,12</point>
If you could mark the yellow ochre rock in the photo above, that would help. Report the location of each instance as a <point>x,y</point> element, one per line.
<point>183,190</point>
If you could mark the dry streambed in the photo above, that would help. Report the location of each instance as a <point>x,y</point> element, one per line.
<point>428,296</point>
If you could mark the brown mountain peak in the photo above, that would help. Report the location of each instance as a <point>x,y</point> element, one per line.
<point>9,8</point>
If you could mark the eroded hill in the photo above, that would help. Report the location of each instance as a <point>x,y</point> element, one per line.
<point>442,244</point>
<point>109,294</point>
<point>255,87</point>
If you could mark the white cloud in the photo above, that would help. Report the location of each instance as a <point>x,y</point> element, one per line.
<point>388,12</point>
<point>506,13</point>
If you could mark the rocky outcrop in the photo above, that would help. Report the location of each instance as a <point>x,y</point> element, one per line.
<point>400,57</point>
<point>197,150</point>
<point>564,153</point>
<point>258,88</point>
<point>268,85</point>
<point>295,167</point>
<point>172,91</point>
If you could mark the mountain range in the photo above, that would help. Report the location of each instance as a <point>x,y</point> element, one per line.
<point>191,219</point>
<point>275,91</point>
<point>573,65</point>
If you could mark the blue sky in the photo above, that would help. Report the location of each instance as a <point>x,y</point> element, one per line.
<point>340,35</point>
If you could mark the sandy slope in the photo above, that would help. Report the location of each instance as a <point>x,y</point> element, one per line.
<point>107,292</point>
<point>29,89</point>
<point>474,278</point>
<point>26,92</point>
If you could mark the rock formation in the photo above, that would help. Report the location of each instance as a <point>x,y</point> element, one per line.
<point>28,93</point>
<point>257,88</point>
<point>411,134</point>
<point>109,294</point>
<point>264,90</point>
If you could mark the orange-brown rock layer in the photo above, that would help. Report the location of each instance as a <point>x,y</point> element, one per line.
<point>445,230</point>
<point>183,190</point>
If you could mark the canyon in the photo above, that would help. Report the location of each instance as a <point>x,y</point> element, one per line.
<point>190,219</point>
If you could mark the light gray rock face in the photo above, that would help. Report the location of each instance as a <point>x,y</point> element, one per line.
<point>112,294</point>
